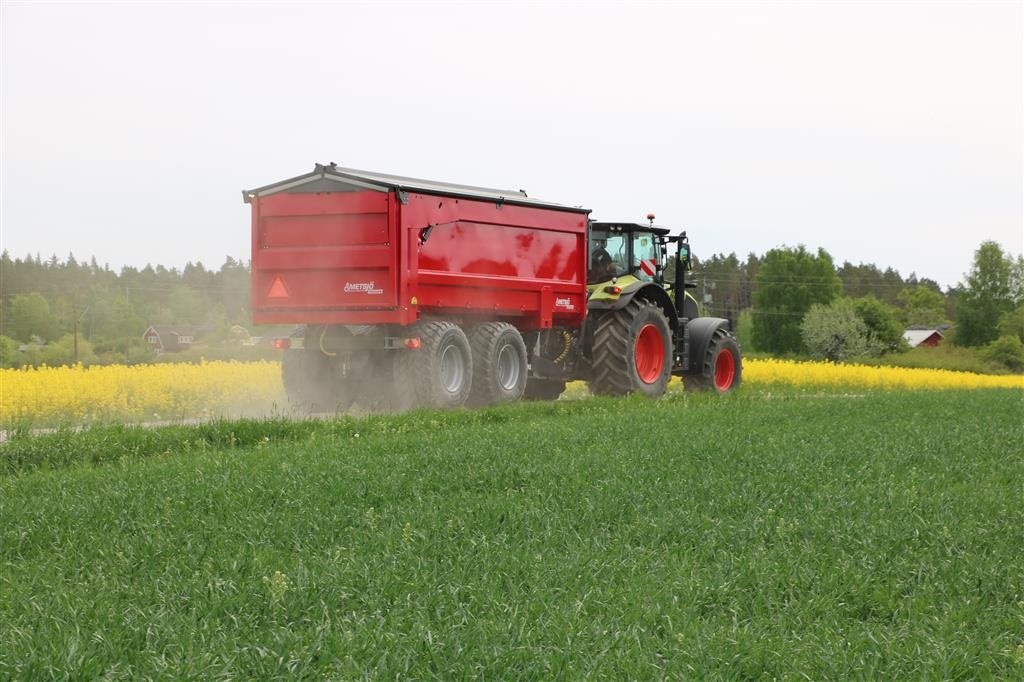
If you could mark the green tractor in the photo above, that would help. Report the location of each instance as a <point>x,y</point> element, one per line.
<point>641,329</point>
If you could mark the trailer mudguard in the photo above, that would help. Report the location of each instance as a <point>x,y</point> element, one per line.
<point>701,331</point>
<point>645,290</point>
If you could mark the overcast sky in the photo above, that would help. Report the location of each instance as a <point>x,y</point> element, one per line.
<point>886,133</point>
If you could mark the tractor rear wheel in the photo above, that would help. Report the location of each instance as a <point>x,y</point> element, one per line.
<point>440,372</point>
<point>543,389</point>
<point>722,369</point>
<point>313,381</point>
<point>632,351</point>
<point>499,364</point>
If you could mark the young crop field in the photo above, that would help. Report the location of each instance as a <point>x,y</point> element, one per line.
<point>774,533</point>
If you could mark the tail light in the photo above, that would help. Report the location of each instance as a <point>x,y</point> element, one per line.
<point>612,289</point>
<point>413,344</point>
<point>282,344</point>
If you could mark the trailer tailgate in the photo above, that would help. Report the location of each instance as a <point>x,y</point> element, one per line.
<point>327,252</point>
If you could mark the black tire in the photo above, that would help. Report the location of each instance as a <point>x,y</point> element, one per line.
<point>715,375</point>
<point>543,389</point>
<point>440,372</point>
<point>313,381</point>
<point>499,364</point>
<point>615,351</point>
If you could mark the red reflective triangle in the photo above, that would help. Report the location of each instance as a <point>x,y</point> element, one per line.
<point>278,289</point>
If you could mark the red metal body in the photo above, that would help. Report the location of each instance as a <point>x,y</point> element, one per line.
<point>373,256</point>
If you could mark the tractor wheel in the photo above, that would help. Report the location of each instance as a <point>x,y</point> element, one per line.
<point>499,364</point>
<point>440,372</point>
<point>313,381</point>
<point>632,351</point>
<point>723,366</point>
<point>543,389</point>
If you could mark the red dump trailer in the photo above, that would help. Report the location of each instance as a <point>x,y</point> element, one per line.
<point>411,292</point>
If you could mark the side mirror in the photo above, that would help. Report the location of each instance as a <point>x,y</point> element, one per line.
<point>684,254</point>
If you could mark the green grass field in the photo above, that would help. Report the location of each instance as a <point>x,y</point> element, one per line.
<point>763,535</point>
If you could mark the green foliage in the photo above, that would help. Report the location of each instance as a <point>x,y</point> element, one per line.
<point>744,330</point>
<point>30,316</point>
<point>884,329</point>
<point>868,280</point>
<point>836,332</point>
<point>62,352</point>
<point>922,307</point>
<point>1012,323</point>
<point>993,289</point>
<point>789,282</point>
<point>9,352</point>
<point>112,310</point>
<point>944,356</point>
<point>1007,351</point>
<point>727,282</point>
<point>802,536</point>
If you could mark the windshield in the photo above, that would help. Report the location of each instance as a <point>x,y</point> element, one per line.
<point>609,256</point>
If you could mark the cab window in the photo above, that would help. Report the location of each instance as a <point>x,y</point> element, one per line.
<point>609,256</point>
<point>645,256</point>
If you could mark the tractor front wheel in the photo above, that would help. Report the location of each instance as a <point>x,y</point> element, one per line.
<point>632,351</point>
<point>722,369</point>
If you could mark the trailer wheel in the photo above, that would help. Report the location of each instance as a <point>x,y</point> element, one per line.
<point>312,382</point>
<point>632,351</point>
<point>723,366</point>
<point>543,389</point>
<point>440,372</point>
<point>499,364</point>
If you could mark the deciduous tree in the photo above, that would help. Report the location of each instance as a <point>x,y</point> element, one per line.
<point>992,289</point>
<point>789,282</point>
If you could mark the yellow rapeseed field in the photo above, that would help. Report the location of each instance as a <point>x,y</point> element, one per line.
<point>180,391</point>
<point>139,393</point>
<point>829,375</point>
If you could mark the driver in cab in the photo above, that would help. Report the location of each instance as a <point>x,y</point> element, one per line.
<point>602,266</point>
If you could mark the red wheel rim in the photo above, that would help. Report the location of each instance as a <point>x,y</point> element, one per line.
<point>725,370</point>
<point>649,354</point>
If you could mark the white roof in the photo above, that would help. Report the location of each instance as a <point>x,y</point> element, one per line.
<point>914,337</point>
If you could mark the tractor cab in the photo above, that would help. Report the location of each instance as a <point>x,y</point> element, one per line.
<point>626,250</point>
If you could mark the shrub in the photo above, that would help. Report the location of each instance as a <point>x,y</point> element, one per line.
<point>882,322</point>
<point>62,352</point>
<point>1012,323</point>
<point>1007,351</point>
<point>9,352</point>
<point>744,330</point>
<point>836,332</point>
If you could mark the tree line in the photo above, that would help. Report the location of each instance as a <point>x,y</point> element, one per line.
<point>47,307</point>
<point>789,301</point>
<point>795,301</point>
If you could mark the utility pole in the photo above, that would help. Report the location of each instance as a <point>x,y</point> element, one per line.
<point>127,339</point>
<point>78,318</point>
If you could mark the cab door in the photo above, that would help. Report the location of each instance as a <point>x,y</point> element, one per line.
<point>647,265</point>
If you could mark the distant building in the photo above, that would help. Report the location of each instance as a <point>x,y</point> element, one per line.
<point>174,338</point>
<point>923,337</point>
